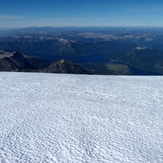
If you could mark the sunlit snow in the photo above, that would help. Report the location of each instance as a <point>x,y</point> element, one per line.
<point>80,119</point>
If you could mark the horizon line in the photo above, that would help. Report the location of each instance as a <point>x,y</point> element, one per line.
<point>73,26</point>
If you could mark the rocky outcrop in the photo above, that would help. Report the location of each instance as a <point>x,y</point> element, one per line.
<point>66,66</point>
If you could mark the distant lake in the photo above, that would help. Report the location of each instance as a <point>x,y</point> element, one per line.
<point>94,58</point>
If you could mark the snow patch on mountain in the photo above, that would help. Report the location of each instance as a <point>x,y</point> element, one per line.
<point>141,48</point>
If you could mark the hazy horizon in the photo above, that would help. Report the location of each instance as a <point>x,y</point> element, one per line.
<point>82,27</point>
<point>71,13</point>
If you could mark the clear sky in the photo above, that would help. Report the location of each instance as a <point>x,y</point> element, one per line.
<point>25,13</point>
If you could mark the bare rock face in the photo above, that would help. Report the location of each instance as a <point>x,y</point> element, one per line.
<point>66,66</point>
<point>16,61</point>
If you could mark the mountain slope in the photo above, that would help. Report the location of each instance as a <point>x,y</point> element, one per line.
<point>15,61</point>
<point>66,66</point>
<point>144,59</point>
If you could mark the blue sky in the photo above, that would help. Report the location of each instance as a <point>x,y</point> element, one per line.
<point>25,13</point>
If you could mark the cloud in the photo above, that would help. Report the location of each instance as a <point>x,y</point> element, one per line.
<point>11,17</point>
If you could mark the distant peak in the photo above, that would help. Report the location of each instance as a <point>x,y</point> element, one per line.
<point>65,66</point>
<point>65,61</point>
<point>62,60</point>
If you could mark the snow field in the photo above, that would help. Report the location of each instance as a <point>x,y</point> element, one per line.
<point>80,119</point>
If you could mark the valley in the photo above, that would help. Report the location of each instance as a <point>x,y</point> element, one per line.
<point>107,51</point>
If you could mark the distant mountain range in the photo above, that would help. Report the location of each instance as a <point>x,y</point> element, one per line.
<point>58,48</point>
<point>16,61</point>
<point>136,61</point>
<point>107,51</point>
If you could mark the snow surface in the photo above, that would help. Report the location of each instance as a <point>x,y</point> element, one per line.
<point>46,118</point>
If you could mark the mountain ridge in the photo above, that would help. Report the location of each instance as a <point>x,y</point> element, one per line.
<point>17,61</point>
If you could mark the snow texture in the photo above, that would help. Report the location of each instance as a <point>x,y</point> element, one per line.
<point>52,118</point>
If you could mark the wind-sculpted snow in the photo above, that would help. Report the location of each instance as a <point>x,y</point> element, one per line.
<point>52,118</point>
